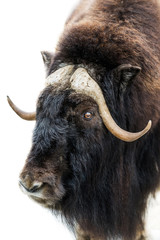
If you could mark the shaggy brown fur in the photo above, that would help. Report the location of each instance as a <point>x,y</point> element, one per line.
<point>111,33</point>
<point>89,176</point>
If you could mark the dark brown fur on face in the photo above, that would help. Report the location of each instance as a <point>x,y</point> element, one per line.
<point>90,177</point>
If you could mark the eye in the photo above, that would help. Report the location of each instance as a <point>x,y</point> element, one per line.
<point>88,116</point>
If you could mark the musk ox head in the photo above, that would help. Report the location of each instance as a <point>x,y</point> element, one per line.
<point>73,142</point>
<point>71,117</point>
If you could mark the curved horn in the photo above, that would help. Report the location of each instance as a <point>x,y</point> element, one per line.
<point>81,82</point>
<point>25,115</point>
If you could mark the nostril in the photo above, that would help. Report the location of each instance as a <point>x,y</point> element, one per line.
<point>36,187</point>
<point>23,185</point>
<point>32,188</point>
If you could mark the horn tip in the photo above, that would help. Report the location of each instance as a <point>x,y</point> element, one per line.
<point>149,125</point>
<point>9,100</point>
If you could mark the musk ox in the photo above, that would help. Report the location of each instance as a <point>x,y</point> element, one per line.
<point>93,159</point>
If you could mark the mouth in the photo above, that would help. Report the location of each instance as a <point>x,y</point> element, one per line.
<point>40,193</point>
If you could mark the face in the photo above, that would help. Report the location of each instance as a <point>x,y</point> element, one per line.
<point>70,139</point>
<point>67,124</point>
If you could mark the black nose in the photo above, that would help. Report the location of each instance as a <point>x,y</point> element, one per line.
<point>29,184</point>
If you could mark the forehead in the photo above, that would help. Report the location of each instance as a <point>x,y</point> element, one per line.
<point>51,100</point>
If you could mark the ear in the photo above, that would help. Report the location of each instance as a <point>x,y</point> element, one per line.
<point>47,58</point>
<point>124,74</point>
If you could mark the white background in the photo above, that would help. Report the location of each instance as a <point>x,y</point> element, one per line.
<point>26,28</point>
